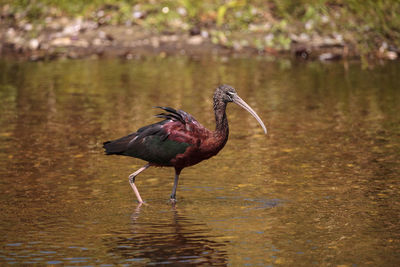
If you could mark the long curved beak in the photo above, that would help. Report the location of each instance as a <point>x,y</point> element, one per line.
<point>236,99</point>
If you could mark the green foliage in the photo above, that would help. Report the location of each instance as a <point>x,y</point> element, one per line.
<point>221,11</point>
<point>364,23</point>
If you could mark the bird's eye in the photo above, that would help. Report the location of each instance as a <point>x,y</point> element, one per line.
<point>230,95</point>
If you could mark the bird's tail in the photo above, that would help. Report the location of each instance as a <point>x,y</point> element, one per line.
<point>108,147</point>
<point>117,147</point>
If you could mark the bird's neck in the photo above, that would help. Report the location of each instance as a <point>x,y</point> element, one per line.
<point>221,127</point>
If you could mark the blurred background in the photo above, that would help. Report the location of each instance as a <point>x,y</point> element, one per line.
<point>322,29</point>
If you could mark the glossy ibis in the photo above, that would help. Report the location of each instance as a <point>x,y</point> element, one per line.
<point>179,140</point>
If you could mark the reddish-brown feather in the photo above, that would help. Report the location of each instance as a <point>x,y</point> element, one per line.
<point>203,142</point>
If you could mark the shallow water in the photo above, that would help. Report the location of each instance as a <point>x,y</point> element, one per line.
<point>322,188</point>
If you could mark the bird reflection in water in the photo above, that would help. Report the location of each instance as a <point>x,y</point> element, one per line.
<point>172,239</point>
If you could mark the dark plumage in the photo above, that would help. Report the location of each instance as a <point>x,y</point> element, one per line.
<point>179,140</point>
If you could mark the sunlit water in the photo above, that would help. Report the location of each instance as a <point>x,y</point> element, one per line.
<point>322,188</point>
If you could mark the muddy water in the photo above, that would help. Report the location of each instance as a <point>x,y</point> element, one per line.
<point>322,188</point>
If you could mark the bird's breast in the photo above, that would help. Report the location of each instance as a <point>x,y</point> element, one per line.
<point>202,149</point>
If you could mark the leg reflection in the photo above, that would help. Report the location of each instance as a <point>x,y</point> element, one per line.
<point>165,235</point>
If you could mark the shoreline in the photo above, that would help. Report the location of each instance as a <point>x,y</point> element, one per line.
<point>55,35</point>
<point>132,41</point>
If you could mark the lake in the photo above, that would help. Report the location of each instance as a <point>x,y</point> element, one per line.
<point>321,189</point>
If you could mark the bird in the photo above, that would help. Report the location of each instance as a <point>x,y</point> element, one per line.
<point>179,140</point>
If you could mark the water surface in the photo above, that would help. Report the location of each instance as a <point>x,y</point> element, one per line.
<point>322,188</point>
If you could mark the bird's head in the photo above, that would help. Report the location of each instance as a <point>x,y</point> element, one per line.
<point>228,94</point>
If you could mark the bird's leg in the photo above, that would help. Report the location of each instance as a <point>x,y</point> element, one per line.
<point>132,181</point>
<point>173,194</point>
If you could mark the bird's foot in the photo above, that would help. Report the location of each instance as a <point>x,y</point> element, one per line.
<point>142,203</point>
<point>172,201</point>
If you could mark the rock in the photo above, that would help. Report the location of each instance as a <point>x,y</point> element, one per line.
<point>391,55</point>
<point>329,56</point>
<point>304,37</point>
<point>10,34</point>
<point>383,47</point>
<point>102,35</point>
<point>33,44</point>
<point>100,13</point>
<point>28,27</point>
<point>195,40</point>
<point>18,42</point>
<point>62,41</point>
<point>96,42</point>
<point>155,42</point>
<point>138,14</point>
<point>324,19</point>
<point>387,52</point>
<point>74,27</point>
<point>168,38</point>
<point>263,27</point>
<point>64,21</point>
<point>237,46</point>
<point>182,11</point>
<point>71,29</point>
<point>339,38</point>
<point>309,25</point>
<point>204,34</point>
<point>328,41</point>
<point>89,25</point>
<point>269,38</point>
<point>80,43</point>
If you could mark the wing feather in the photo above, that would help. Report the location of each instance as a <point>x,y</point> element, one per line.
<point>173,114</point>
<point>151,143</point>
